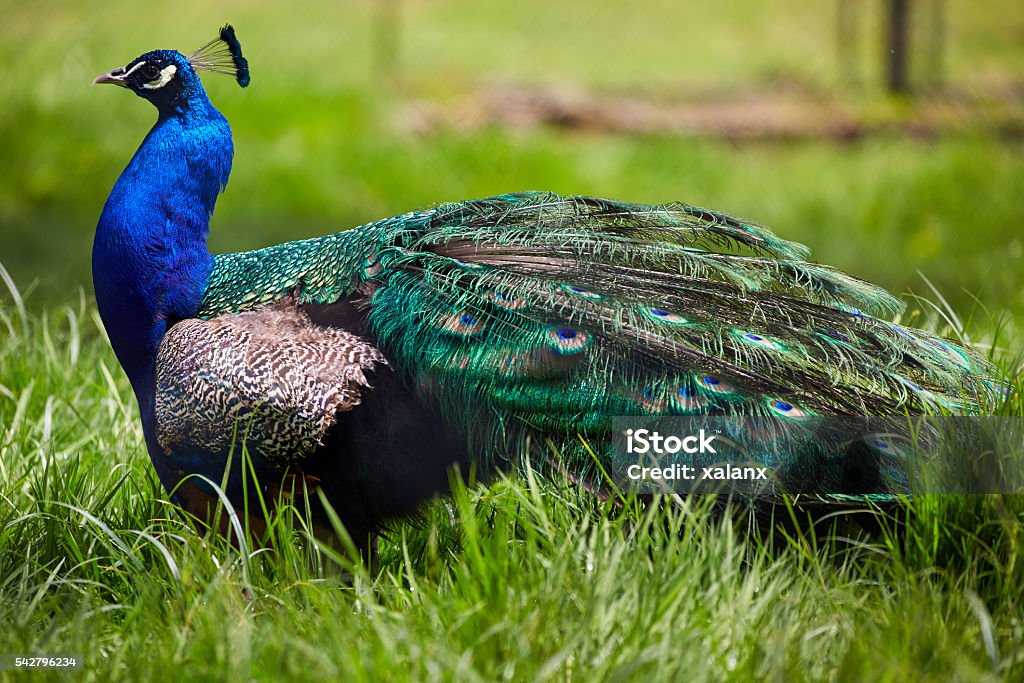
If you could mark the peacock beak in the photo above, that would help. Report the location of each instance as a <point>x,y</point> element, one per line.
<point>116,77</point>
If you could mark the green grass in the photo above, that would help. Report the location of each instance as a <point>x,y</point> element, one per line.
<point>527,579</point>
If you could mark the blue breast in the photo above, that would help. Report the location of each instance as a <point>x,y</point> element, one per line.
<point>150,260</point>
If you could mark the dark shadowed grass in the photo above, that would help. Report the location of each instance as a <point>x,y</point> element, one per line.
<point>525,579</point>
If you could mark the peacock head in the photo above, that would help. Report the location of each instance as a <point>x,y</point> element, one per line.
<point>169,79</point>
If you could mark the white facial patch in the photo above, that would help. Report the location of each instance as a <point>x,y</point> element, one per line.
<point>132,70</point>
<point>166,74</point>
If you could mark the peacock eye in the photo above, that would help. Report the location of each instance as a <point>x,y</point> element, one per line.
<point>150,72</point>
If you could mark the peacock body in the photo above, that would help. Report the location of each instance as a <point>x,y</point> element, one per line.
<point>369,362</point>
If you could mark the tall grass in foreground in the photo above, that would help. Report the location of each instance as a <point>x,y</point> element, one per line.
<point>527,579</point>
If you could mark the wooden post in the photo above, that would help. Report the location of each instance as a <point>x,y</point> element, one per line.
<point>898,59</point>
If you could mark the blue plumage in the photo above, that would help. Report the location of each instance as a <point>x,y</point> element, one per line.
<point>150,261</point>
<point>366,363</point>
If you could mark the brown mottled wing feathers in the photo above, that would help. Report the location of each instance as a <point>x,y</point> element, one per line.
<point>269,377</point>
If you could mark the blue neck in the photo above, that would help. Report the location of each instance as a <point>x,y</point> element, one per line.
<point>150,263</point>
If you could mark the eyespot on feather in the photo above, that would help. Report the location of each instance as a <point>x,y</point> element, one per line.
<point>758,340</point>
<point>664,316</point>
<point>687,399</point>
<point>507,301</point>
<point>715,385</point>
<point>582,292</point>
<point>463,324</point>
<point>884,445</point>
<point>785,408</point>
<point>652,399</point>
<point>567,340</point>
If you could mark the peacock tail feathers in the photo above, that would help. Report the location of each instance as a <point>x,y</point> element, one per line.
<point>538,318</point>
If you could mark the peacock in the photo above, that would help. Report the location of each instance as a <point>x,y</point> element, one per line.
<point>478,335</point>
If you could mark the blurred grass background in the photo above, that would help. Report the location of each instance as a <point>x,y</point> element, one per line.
<point>323,142</point>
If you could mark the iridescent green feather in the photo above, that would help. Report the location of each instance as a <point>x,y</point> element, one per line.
<point>536,318</point>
